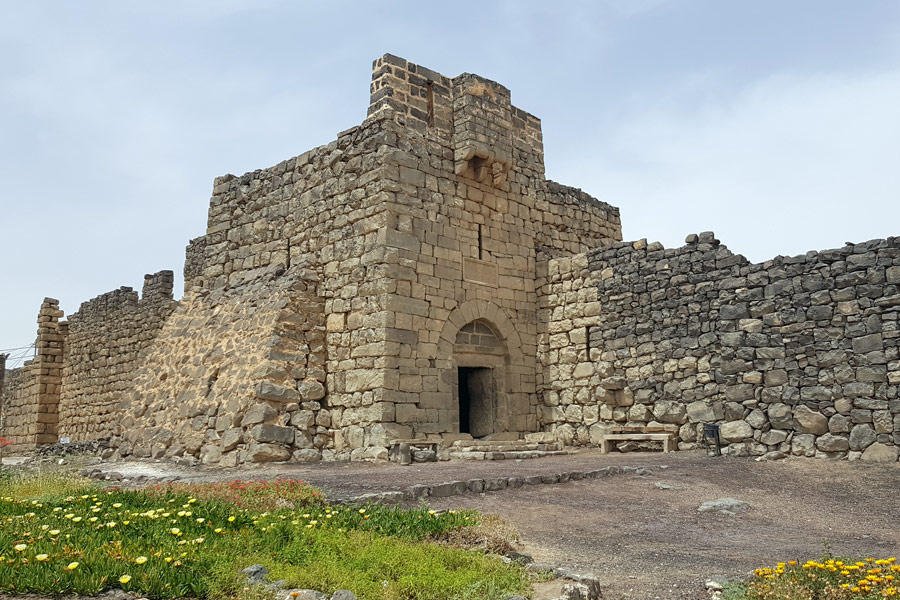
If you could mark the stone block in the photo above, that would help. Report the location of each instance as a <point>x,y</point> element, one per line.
<point>881,453</point>
<point>273,433</point>
<point>266,390</point>
<point>807,420</point>
<point>258,413</point>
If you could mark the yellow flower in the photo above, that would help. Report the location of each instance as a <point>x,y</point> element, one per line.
<point>119,505</point>
<point>200,519</point>
<point>76,519</point>
<point>140,560</point>
<point>20,547</point>
<point>231,519</point>
<point>217,530</point>
<point>54,532</point>
<point>41,557</point>
<point>175,531</point>
<point>71,566</point>
<point>124,579</point>
<point>362,511</point>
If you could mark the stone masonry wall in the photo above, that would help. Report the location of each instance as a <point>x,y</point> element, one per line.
<point>30,394</point>
<point>105,340</point>
<point>467,202</point>
<point>796,355</point>
<point>234,376</point>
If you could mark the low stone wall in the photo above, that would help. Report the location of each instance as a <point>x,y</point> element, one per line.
<point>798,354</point>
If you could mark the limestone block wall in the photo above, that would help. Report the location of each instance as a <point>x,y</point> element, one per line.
<point>102,352</point>
<point>797,354</point>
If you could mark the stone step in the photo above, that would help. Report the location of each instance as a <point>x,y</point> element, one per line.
<point>498,446</point>
<point>507,455</point>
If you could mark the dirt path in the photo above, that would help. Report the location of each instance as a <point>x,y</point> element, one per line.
<point>647,542</point>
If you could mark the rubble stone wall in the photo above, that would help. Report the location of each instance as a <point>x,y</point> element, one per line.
<point>234,376</point>
<point>102,352</point>
<point>797,355</point>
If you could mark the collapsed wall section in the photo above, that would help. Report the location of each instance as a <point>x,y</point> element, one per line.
<point>102,353</point>
<point>798,355</point>
<point>234,376</point>
<point>239,372</point>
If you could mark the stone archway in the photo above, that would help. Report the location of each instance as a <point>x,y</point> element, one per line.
<point>479,355</point>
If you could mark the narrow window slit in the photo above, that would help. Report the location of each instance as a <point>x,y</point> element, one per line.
<point>430,98</point>
<point>480,245</point>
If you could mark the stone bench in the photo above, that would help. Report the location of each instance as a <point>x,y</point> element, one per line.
<point>421,444</point>
<point>666,434</point>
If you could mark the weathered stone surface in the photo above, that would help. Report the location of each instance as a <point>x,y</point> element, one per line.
<point>311,391</point>
<point>881,453</point>
<point>832,443</point>
<point>862,436</point>
<point>735,431</point>
<point>726,506</point>
<point>258,413</point>
<point>266,390</point>
<point>807,420</point>
<point>273,433</point>
<point>268,453</point>
<point>670,412</point>
<point>700,412</point>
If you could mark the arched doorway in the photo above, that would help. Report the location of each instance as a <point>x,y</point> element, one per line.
<point>481,359</point>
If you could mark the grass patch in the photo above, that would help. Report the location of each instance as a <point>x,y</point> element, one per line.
<point>171,542</point>
<point>251,495</point>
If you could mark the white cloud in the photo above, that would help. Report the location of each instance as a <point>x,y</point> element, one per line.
<point>789,164</point>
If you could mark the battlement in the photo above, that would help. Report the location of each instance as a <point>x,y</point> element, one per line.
<point>487,131</point>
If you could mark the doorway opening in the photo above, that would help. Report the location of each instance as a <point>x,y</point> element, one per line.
<point>476,401</point>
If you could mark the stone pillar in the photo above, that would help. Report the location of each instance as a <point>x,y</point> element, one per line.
<point>3,358</point>
<point>48,370</point>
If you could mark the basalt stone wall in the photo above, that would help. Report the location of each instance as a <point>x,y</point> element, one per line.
<point>799,355</point>
<point>102,352</point>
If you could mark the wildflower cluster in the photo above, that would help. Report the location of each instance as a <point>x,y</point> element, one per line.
<point>169,543</point>
<point>871,578</point>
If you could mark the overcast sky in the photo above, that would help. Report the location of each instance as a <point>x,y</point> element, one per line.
<point>773,123</point>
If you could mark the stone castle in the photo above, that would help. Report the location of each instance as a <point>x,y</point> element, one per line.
<point>420,278</point>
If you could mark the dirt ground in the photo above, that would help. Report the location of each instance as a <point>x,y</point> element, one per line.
<point>642,535</point>
<point>646,542</point>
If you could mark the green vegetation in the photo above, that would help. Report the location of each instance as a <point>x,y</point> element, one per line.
<point>830,578</point>
<point>60,536</point>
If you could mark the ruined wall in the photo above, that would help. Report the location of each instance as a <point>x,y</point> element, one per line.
<point>570,221</point>
<point>102,352</point>
<point>798,355</point>
<point>319,216</point>
<point>30,395</point>
<point>234,376</point>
